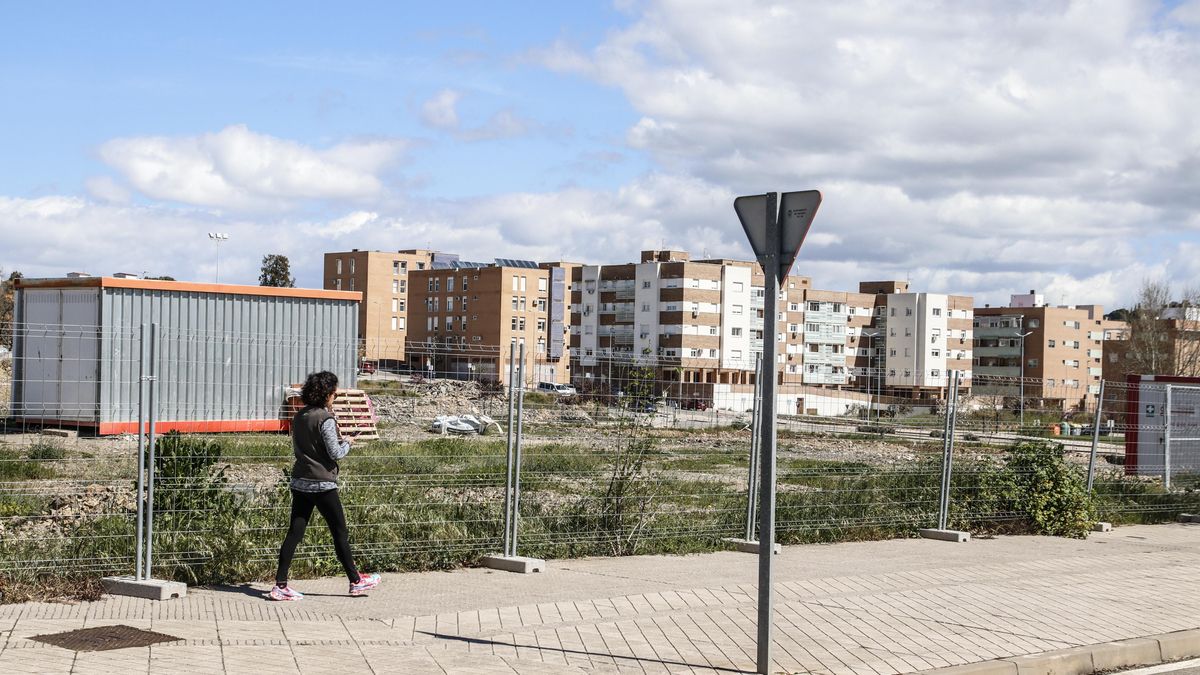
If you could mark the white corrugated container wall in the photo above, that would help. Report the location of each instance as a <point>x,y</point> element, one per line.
<point>222,357</point>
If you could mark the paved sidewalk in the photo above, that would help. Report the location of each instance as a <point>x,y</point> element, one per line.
<point>869,608</point>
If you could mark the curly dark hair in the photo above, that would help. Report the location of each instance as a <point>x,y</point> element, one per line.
<point>318,388</point>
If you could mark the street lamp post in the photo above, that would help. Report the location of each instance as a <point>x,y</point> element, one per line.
<point>217,238</point>
<point>870,335</point>
<point>1021,370</point>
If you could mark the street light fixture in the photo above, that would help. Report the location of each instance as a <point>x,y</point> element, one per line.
<point>217,238</point>
<point>870,357</point>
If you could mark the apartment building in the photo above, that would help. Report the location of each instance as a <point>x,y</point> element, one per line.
<point>383,279</point>
<point>1173,348</point>
<point>927,336</point>
<point>463,316</point>
<point>1063,350</point>
<point>701,322</point>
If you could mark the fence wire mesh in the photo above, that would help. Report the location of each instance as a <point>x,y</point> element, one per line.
<point>636,457</point>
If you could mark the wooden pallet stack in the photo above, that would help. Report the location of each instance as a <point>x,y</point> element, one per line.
<point>355,415</point>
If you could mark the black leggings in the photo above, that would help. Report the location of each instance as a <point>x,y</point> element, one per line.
<point>330,507</point>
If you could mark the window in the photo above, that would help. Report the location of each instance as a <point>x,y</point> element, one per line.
<point>464,283</point>
<point>464,303</point>
<point>1033,363</point>
<point>907,351</point>
<point>522,303</point>
<point>837,308</point>
<point>351,283</point>
<point>907,373</point>
<point>514,303</point>
<point>907,332</point>
<point>395,267</point>
<point>935,373</point>
<point>449,284</point>
<point>936,334</point>
<point>541,304</point>
<point>339,265</point>
<point>450,304</point>
<point>736,310</point>
<point>395,306</point>
<point>403,285</point>
<point>542,284</point>
<point>937,311</point>
<point>645,284</point>
<point>814,306</point>
<point>420,265</point>
<point>395,322</point>
<point>521,323</point>
<point>587,330</point>
<point>435,303</point>
<point>892,311</point>
<point>1050,343</point>
<point>515,282</point>
<point>435,323</point>
<point>935,353</point>
<point>908,311</point>
<point>403,321</point>
<point>645,307</point>
<point>736,332</point>
<point>337,284</point>
<point>352,266</point>
<point>738,287</point>
<point>429,286</point>
<point>395,285</point>
<point>892,372</point>
<point>814,348</point>
<point>1034,323</point>
<point>523,284</point>
<point>695,353</point>
<point>450,323</point>
<point>437,285</point>
<point>793,307</point>
<point>541,324</point>
<point>712,330</point>
<point>514,323</point>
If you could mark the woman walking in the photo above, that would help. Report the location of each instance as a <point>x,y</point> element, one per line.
<point>318,447</point>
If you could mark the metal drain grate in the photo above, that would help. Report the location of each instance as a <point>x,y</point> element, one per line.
<point>104,638</point>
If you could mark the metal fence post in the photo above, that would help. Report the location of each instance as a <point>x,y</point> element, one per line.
<point>516,500</point>
<point>153,417</point>
<point>143,347</point>
<point>508,460</point>
<point>755,422</point>
<point>948,452</point>
<point>1091,475</point>
<point>1167,441</point>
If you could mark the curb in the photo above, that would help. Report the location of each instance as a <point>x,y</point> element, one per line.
<point>1143,651</point>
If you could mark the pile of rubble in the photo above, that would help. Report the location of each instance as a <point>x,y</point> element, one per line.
<point>66,511</point>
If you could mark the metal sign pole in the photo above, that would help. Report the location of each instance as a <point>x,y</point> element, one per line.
<point>947,431</point>
<point>766,536</point>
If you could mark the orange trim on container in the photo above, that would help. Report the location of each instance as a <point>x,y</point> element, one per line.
<point>196,427</point>
<point>190,287</point>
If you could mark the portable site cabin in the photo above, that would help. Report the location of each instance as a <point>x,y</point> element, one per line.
<point>1163,425</point>
<point>225,356</point>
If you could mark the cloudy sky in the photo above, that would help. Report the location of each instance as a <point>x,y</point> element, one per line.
<point>978,148</point>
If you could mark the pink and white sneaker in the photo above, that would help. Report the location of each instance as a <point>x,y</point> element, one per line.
<point>285,594</point>
<point>365,583</point>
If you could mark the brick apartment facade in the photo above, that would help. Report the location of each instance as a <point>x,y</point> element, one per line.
<point>383,277</point>
<point>1063,349</point>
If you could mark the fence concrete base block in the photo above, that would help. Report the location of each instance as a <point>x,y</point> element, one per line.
<point>945,535</point>
<point>517,564</point>
<point>152,589</point>
<point>61,433</point>
<point>748,546</point>
<point>1189,518</point>
<point>1101,527</point>
<point>1097,658</point>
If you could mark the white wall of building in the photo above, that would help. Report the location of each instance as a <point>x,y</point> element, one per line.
<point>589,323</point>
<point>736,292</point>
<point>646,308</point>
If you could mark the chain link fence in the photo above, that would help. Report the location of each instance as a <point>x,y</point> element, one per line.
<point>481,450</point>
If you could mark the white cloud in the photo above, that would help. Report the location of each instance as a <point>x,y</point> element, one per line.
<point>441,111</point>
<point>106,189</point>
<point>237,168</point>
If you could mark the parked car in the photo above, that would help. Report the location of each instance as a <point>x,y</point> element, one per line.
<point>368,367</point>
<point>693,404</point>
<point>555,388</point>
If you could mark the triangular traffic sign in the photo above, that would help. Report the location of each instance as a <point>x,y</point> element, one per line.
<point>796,213</point>
<point>752,211</point>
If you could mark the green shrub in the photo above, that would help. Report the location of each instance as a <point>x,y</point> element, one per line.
<point>46,451</point>
<point>1049,492</point>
